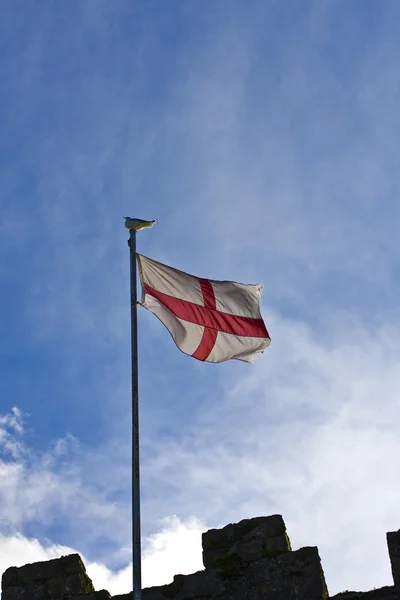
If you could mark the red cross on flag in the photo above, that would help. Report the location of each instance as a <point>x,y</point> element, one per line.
<point>212,321</point>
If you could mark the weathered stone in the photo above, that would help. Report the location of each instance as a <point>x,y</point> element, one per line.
<point>303,568</point>
<point>290,575</point>
<point>393,541</point>
<point>67,586</point>
<point>36,591</point>
<point>59,578</point>
<point>101,595</point>
<point>251,539</point>
<point>9,578</point>
<point>202,584</point>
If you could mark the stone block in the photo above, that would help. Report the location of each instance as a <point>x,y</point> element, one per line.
<point>303,568</point>
<point>14,592</point>
<point>36,572</point>
<point>393,542</point>
<point>101,595</point>
<point>53,579</point>
<point>198,585</point>
<point>251,539</point>
<point>67,586</point>
<point>35,591</point>
<point>286,576</point>
<point>9,578</point>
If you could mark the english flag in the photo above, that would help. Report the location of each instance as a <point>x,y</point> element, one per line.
<point>212,321</point>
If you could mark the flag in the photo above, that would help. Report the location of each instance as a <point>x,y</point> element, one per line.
<point>212,321</point>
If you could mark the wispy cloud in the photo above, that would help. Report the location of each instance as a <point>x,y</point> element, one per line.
<point>39,490</point>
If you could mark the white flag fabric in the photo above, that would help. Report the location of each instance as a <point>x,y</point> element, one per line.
<point>212,321</point>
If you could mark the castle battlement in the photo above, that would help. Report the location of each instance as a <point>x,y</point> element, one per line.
<point>250,560</point>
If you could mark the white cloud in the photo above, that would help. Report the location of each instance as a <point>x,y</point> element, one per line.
<point>17,550</point>
<point>176,549</point>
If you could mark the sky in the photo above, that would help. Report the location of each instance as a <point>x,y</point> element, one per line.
<point>263,135</point>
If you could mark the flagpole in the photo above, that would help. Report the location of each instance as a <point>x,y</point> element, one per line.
<point>135,225</point>
<point>136,546</point>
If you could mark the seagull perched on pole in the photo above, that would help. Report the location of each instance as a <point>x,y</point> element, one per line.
<point>138,224</point>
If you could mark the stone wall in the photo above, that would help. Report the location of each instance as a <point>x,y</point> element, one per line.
<point>60,578</point>
<point>250,560</point>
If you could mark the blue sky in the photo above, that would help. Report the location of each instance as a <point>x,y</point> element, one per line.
<point>264,137</point>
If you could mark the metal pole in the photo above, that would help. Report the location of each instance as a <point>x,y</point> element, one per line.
<point>136,549</point>
<point>135,225</point>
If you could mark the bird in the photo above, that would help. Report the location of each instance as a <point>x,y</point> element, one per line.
<point>138,224</point>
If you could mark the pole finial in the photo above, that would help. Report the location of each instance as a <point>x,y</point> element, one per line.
<point>138,224</point>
